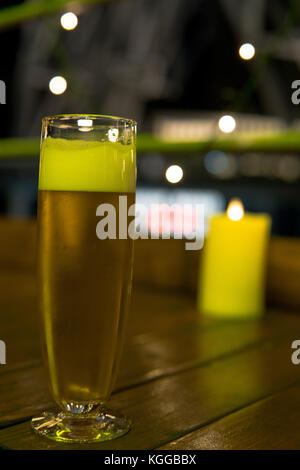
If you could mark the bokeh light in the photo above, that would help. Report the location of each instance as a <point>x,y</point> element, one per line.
<point>216,162</point>
<point>69,21</point>
<point>58,85</point>
<point>247,51</point>
<point>174,174</point>
<point>227,124</point>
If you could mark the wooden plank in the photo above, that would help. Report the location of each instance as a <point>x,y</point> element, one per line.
<point>18,241</point>
<point>147,357</point>
<point>153,355</point>
<point>168,264</point>
<point>163,410</point>
<point>165,263</point>
<point>283,274</point>
<point>151,311</point>
<point>23,389</point>
<point>164,314</point>
<point>165,335</point>
<point>18,317</point>
<point>270,424</point>
<point>168,256</point>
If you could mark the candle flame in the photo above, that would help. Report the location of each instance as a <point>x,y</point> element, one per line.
<point>235,210</point>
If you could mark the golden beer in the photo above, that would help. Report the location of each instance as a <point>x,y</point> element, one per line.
<point>84,282</point>
<point>84,286</point>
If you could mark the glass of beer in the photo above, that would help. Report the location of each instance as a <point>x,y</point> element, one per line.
<point>86,186</point>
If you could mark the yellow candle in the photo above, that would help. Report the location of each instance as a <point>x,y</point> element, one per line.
<point>231,282</point>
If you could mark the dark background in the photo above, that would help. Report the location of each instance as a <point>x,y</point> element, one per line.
<point>147,59</point>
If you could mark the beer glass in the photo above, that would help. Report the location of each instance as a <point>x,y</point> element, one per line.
<point>87,166</point>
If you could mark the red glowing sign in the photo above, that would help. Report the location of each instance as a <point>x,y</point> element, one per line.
<point>175,219</point>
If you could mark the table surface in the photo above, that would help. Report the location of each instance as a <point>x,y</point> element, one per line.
<point>186,382</point>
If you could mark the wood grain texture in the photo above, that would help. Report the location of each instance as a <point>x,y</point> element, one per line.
<point>270,424</point>
<point>165,409</point>
<point>165,336</point>
<point>181,373</point>
<point>283,274</point>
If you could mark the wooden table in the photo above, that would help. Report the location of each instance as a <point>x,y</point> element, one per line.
<point>186,382</point>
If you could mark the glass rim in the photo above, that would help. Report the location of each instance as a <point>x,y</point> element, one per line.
<point>107,120</point>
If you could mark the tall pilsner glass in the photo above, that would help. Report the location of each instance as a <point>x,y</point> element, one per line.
<point>87,166</point>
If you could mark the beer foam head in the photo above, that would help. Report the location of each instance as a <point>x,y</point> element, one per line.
<point>79,165</point>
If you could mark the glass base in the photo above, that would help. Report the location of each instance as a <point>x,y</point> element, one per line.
<point>63,427</point>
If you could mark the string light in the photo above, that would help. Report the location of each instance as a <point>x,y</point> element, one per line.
<point>174,174</point>
<point>247,51</point>
<point>58,85</point>
<point>227,124</point>
<point>69,21</point>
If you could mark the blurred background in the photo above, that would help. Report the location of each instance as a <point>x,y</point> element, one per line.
<point>210,83</point>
